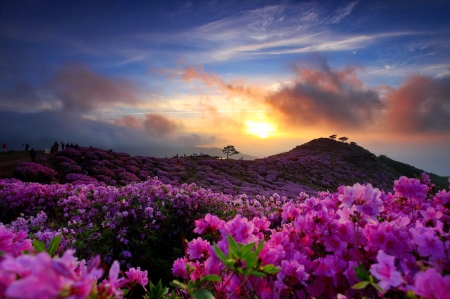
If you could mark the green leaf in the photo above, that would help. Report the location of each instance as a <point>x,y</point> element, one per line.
<point>361,285</point>
<point>362,273</point>
<point>234,250</point>
<point>258,274</point>
<point>202,294</point>
<point>39,246</point>
<point>271,269</point>
<point>54,244</point>
<point>211,278</point>
<point>377,287</point>
<point>259,248</point>
<point>125,291</point>
<point>410,295</point>
<point>178,284</point>
<point>219,253</point>
<point>247,249</point>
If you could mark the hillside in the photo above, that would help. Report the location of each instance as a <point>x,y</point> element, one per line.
<point>321,164</point>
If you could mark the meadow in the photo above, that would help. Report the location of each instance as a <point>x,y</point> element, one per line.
<point>90,223</point>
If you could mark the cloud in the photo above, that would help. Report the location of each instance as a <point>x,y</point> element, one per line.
<point>190,73</point>
<point>128,121</point>
<point>325,97</point>
<point>196,140</point>
<point>160,125</point>
<point>342,13</point>
<point>420,105</point>
<point>79,89</point>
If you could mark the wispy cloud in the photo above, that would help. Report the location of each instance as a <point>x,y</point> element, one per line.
<point>342,13</point>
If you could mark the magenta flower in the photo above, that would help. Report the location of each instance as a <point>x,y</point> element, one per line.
<point>198,248</point>
<point>291,273</point>
<point>431,284</point>
<point>209,224</point>
<point>386,272</point>
<point>14,243</point>
<point>241,230</point>
<point>179,268</point>
<point>363,199</point>
<point>135,276</point>
<point>112,285</point>
<point>410,188</point>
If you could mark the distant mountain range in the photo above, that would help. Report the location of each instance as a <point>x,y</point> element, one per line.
<point>319,165</point>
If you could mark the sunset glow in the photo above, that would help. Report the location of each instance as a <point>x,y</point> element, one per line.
<point>260,129</point>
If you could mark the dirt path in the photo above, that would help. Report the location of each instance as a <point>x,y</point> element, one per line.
<point>10,160</point>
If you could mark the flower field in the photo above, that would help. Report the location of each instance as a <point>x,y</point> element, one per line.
<point>88,239</point>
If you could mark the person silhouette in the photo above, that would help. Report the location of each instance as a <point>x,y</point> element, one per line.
<point>33,154</point>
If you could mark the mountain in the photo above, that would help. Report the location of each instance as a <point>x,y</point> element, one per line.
<point>319,165</point>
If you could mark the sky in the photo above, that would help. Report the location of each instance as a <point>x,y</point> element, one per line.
<point>156,77</point>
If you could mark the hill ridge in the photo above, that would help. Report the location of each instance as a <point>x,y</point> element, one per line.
<point>318,165</point>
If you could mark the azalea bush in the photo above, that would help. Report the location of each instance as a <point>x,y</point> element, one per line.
<point>28,271</point>
<point>140,224</point>
<point>355,243</point>
<point>34,172</point>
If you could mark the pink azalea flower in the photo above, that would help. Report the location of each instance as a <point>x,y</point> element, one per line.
<point>431,284</point>
<point>410,188</point>
<point>179,268</point>
<point>209,224</point>
<point>241,230</point>
<point>385,271</point>
<point>198,248</point>
<point>112,286</point>
<point>135,276</point>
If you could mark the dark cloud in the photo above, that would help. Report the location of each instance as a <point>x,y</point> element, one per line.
<point>420,105</point>
<point>22,96</point>
<point>79,89</point>
<point>160,125</point>
<point>326,97</point>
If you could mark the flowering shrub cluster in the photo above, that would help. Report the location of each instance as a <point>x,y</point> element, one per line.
<point>139,224</point>
<point>321,164</point>
<point>358,242</point>
<point>40,275</point>
<point>33,172</point>
<point>354,243</point>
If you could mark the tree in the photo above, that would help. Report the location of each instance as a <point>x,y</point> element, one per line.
<point>343,139</point>
<point>229,150</point>
<point>332,137</point>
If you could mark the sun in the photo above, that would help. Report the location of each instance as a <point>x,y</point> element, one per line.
<point>260,129</point>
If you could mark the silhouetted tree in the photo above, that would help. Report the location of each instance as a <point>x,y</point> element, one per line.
<point>343,139</point>
<point>229,150</point>
<point>332,137</point>
<point>352,143</point>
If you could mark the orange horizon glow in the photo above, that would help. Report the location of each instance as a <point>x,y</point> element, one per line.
<point>260,128</point>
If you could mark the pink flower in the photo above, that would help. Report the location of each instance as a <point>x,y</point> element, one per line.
<point>209,224</point>
<point>112,286</point>
<point>14,243</point>
<point>410,188</point>
<point>386,272</point>
<point>363,199</point>
<point>198,248</point>
<point>428,243</point>
<point>431,284</point>
<point>241,230</point>
<point>291,274</point>
<point>38,279</point>
<point>179,268</point>
<point>135,276</point>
